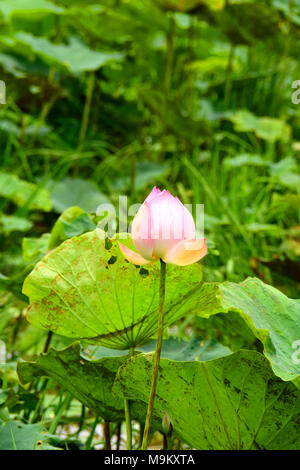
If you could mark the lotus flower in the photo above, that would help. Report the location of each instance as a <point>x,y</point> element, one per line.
<point>164,229</point>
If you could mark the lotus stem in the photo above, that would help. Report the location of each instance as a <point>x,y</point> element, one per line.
<point>128,424</point>
<point>107,435</point>
<point>87,107</point>
<point>128,416</point>
<point>118,432</point>
<point>48,341</point>
<point>92,433</point>
<point>157,354</point>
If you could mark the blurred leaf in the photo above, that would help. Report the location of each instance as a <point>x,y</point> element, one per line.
<point>211,65</point>
<point>189,5</point>
<point>291,243</point>
<point>284,166</point>
<point>34,248</point>
<point>76,192</point>
<point>172,348</point>
<point>146,174</point>
<point>76,56</point>
<point>9,127</point>
<point>20,66</point>
<point>196,349</point>
<point>267,128</point>
<point>289,180</point>
<point>282,203</point>
<point>245,159</point>
<point>11,65</point>
<point>22,192</point>
<point>291,10</point>
<point>72,222</point>
<point>272,129</point>
<point>256,228</point>
<point>11,223</point>
<point>246,21</point>
<point>35,7</point>
<point>292,248</point>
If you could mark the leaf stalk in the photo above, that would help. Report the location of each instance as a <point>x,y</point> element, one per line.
<point>162,289</point>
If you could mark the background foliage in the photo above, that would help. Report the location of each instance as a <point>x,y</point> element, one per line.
<point>108,98</point>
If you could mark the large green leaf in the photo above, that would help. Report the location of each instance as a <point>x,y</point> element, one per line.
<point>84,290</point>
<point>273,318</point>
<point>89,375</point>
<point>270,315</point>
<point>89,381</point>
<point>234,402</point>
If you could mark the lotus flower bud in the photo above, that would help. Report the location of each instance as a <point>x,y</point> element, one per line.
<point>166,424</point>
<point>164,229</point>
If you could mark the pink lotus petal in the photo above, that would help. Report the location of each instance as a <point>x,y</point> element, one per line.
<point>170,222</point>
<point>164,228</point>
<point>141,230</point>
<point>155,191</point>
<point>188,223</point>
<point>131,256</point>
<point>186,252</point>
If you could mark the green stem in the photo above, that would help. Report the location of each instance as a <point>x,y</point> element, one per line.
<point>228,83</point>
<point>82,419</point>
<point>89,441</point>
<point>42,392</point>
<point>157,354</point>
<point>118,432</point>
<point>128,417</point>
<point>48,341</point>
<point>64,405</point>
<point>128,425</point>
<point>87,107</point>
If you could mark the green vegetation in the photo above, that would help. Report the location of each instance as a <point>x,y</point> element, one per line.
<point>106,99</point>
